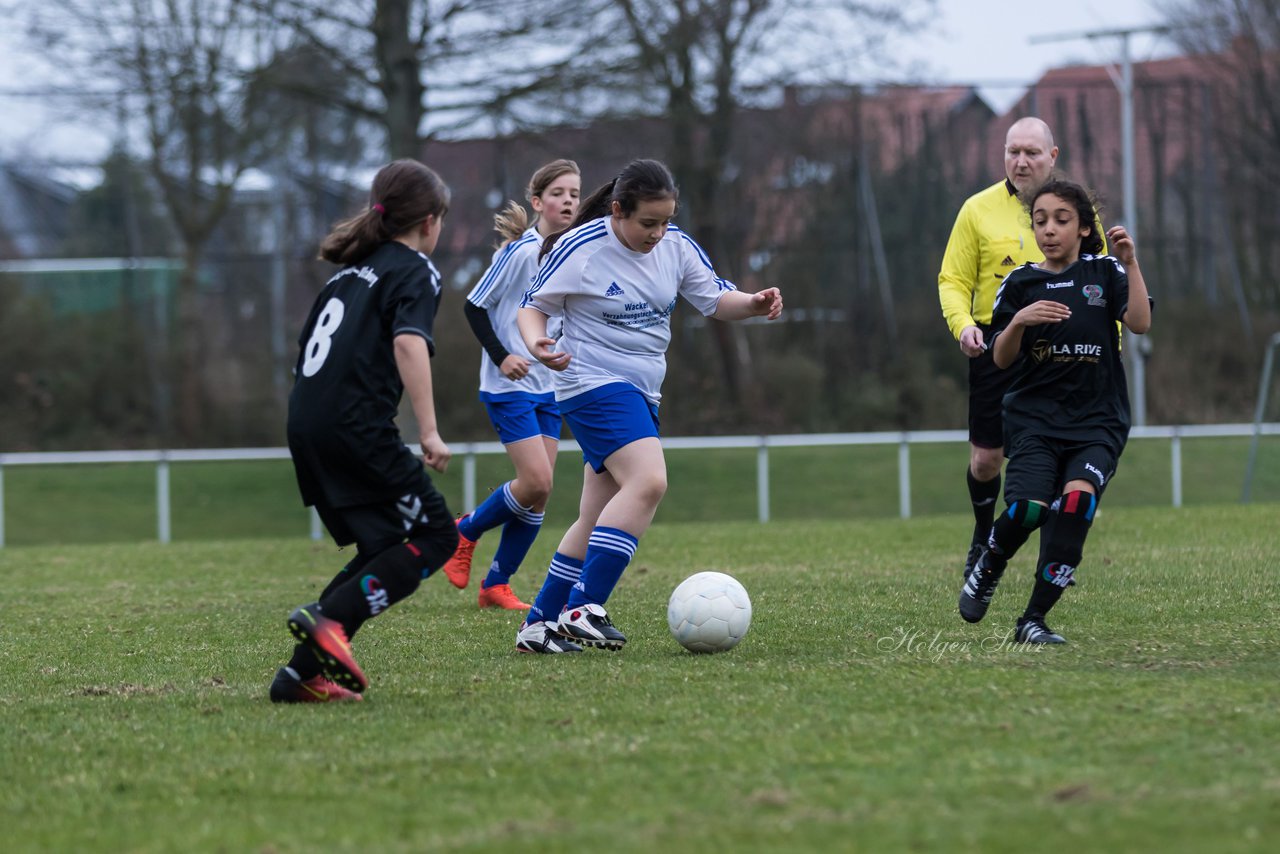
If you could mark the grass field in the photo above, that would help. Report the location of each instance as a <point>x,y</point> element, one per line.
<point>859,714</point>
<point>116,503</point>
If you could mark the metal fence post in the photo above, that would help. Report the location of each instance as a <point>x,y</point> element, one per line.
<point>469,480</point>
<point>1175,466</point>
<point>1264,391</point>
<point>762,479</point>
<point>904,478</point>
<point>162,498</point>
<point>1,506</point>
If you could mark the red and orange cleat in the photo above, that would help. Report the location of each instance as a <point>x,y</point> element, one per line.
<point>501,596</point>
<point>328,640</point>
<point>458,568</point>
<point>288,688</point>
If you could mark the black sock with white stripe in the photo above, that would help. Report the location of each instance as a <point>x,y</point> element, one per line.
<point>983,495</point>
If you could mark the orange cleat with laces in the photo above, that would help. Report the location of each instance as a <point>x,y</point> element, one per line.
<point>458,568</point>
<point>501,596</point>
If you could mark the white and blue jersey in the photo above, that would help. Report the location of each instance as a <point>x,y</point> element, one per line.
<point>499,291</point>
<point>615,305</point>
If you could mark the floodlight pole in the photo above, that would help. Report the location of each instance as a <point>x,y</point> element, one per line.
<point>1123,80</point>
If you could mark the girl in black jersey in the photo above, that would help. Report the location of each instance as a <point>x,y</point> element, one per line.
<point>367,340</point>
<point>1066,413</point>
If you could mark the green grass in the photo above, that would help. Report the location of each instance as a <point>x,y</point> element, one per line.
<point>859,714</point>
<point>116,503</point>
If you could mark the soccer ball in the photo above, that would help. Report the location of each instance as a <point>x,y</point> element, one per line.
<point>709,612</point>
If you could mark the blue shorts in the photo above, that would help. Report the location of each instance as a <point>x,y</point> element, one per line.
<point>608,418</point>
<point>520,417</point>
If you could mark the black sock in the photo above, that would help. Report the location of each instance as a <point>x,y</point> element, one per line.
<point>983,495</point>
<point>345,574</point>
<point>304,663</point>
<point>1011,530</point>
<point>1061,550</point>
<point>386,579</point>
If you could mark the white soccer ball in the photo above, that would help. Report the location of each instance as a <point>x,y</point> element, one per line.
<point>709,612</point>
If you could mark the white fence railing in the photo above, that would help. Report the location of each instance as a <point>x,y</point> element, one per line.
<point>468,451</point>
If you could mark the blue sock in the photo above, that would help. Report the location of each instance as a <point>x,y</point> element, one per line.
<point>498,509</point>
<point>608,552</point>
<point>517,538</point>
<point>561,576</point>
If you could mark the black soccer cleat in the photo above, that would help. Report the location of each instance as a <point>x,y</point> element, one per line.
<point>975,595</point>
<point>975,552</point>
<point>1033,630</point>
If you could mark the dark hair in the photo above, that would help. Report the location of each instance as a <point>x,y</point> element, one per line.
<point>639,181</point>
<point>1086,209</point>
<point>511,221</point>
<point>404,193</point>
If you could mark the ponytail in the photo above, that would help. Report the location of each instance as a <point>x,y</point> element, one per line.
<point>404,194</point>
<point>592,207</point>
<point>510,223</point>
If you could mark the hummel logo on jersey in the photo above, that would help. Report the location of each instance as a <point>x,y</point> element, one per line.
<point>614,290</point>
<point>1007,262</point>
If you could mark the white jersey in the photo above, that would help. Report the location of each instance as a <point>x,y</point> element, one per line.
<point>499,292</point>
<point>615,304</point>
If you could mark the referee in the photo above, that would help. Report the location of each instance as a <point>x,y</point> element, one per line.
<point>991,237</point>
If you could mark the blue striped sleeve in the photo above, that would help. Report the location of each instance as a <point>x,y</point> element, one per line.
<point>480,293</point>
<point>566,246</point>
<point>722,284</point>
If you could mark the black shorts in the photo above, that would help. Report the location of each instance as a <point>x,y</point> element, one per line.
<point>1040,466</point>
<point>377,527</point>
<point>987,387</point>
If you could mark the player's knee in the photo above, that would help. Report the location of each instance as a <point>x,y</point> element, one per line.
<point>536,489</point>
<point>985,463</point>
<point>653,486</point>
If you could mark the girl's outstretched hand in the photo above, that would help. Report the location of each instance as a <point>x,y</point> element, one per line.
<point>768,303</point>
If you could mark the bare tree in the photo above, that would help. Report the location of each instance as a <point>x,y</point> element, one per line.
<point>457,62</point>
<point>185,71</point>
<point>1238,42</point>
<point>698,63</point>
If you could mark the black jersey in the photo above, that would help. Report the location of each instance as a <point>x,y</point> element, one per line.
<point>1069,380</point>
<point>346,447</point>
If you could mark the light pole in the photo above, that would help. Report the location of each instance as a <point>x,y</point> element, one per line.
<point>1123,80</point>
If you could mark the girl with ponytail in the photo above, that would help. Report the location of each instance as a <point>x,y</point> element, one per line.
<point>612,281</point>
<point>515,388</point>
<point>367,340</point>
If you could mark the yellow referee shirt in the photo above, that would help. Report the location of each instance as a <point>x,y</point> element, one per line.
<point>991,237</point>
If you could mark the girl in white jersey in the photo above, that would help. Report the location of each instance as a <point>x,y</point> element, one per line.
<point>515,389</point>
<point>613,280</point>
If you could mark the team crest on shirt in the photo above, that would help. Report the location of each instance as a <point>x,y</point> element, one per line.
<point>1094,293</point>
<point>614,290</point>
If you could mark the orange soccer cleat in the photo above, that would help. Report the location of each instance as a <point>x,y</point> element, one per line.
<point>458,568</point>
<point>328,640</point>
<point>288,688</point>
<point>501,596</point>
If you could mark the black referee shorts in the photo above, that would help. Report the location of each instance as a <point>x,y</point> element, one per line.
<point>377,527</point>
<point>1040,466</point>
<point>987,387</point>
